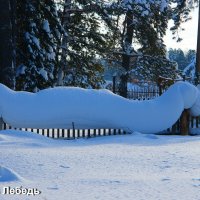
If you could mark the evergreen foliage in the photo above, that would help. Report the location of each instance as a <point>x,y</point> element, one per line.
<point>142,38</point>
<point>179,12</point>
<point>190,70</point>
<point>38,37</point>
<point>7,41</point>
<point>181,58</point>
<point>86,43</point>
<point>178,56</point>
<point>64,48</point>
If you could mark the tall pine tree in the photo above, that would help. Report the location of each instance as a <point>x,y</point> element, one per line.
<point>143,28</point>
<point>87,41</point>
<point>7,40</point>
<point>38,40</point>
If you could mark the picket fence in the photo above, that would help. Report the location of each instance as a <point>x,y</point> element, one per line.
<point>135,94</point>
<point>70,134</point>
<point>193,122</point>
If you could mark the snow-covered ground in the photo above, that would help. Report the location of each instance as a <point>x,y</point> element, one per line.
<point>126,167</point>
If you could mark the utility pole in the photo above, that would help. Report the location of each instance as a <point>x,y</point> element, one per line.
<point>198,51</point>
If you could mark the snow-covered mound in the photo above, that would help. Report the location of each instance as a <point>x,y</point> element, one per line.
<point>30,139</point>
<point>61,107</point>
<point>7,175</point>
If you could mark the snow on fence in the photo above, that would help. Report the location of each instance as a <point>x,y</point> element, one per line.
<point>134,94</point>
<point>139,94</point>
<point>71,133</point>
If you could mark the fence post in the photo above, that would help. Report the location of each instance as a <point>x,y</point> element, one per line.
<point>95,132</point>
<point>174,128</point>
<point>78,133</point>
<point>68,134</point>
<point>159,83</point>
<point>89,133</point>
<point>184,123</point>
<point>114,83</point>
<point>47,132</point>
<point>197,122</point>
<point>73,130</point>
<point>1,124</point>
<point>83,133</point>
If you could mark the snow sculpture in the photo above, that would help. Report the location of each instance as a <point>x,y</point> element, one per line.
<point>61,106</point>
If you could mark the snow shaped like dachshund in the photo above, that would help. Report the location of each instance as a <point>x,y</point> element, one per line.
<point>60,106</point>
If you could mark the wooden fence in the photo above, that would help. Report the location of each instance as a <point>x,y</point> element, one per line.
<point>71,133</point>
<point>193,122</point>
<point>142,93</point>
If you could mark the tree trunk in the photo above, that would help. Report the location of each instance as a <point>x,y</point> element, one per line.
<point>198,52</point>
<point>65,23</point>
<point>127,46</point>
<point>7,41</point>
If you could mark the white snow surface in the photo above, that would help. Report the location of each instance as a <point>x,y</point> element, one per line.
<point>86,108</point>
<point>126,167</point>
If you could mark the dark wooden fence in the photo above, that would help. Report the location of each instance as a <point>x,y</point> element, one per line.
<point>143,93</point>
<point>71,133</point>
<point>140,93</point>
<point>193,122</point>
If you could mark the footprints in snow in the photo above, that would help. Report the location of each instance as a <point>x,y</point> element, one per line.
<point>61,166</point>
<point>56,187</point>
<point>166,179</point>
<point>53,188</point>
<point>196,182</point>
<point>65,167</point>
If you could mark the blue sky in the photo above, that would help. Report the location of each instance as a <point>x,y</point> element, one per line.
<point>189,35</point>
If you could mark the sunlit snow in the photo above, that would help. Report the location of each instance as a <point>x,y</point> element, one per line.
<point>86,108</point>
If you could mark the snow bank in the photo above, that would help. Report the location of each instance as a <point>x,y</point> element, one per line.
<point>7,175</point>
<point>61,106</point>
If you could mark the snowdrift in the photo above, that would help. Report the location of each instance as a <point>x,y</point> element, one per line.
<point>86,108</point>
<point>8,175</point>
